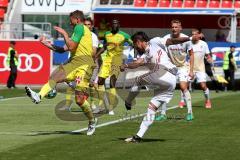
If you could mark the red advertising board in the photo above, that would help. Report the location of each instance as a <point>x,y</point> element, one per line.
<point>34,63</point>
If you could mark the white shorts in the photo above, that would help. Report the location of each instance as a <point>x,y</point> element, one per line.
<point>200,76</point>
<point>183,75</point>
<point>164,81</point>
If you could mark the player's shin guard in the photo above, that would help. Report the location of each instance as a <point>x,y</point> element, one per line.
<point>147,121</point>
<point>188,101</point>
<point>87,110</point>
<point>112,96</point>
<point>101,93</point>
<point>47,87</point>
<point>207,94</point>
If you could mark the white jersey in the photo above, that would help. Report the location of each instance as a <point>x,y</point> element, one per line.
<point>200,49</point>
<point>95,41</point>
<point>178,52</point>
<point>156,55</point>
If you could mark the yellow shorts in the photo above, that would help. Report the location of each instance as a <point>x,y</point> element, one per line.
<point>81,74</point>
<point>110,66</point>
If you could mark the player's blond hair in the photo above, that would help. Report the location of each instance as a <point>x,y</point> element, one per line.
<point>176,21</point>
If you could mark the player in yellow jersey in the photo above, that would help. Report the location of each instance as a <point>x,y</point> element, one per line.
<point>113,43</point>
<point>78,69</point>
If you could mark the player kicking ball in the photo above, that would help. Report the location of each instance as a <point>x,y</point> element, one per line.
<point>78,69</point>
<point>162,74</point>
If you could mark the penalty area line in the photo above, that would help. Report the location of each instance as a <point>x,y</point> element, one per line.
<point>118,120</point>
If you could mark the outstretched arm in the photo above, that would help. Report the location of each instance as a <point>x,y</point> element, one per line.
<point>71,45</point>
<point>51,46</point>
<point>139,62</point>
<point>171,41</point>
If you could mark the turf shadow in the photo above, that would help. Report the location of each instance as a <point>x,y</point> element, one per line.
<point>42,133</point>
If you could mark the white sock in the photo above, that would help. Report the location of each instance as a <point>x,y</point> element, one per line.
<point>207,94</point>
<point>188,101</point>
<point>182,96</point>
<point>164,108</point>
<point>147,121</point>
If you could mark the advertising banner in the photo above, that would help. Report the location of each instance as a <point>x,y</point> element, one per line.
<point>55,6</point>
<point>218,50</point>
<point>34,62</point>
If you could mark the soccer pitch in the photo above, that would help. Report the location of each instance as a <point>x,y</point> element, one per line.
<point>29,131</point>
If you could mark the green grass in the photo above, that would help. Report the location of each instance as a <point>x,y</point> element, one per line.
<point>29,131</point>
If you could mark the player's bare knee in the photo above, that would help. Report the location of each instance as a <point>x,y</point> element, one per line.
<point>80,98</point>
<point>101,81</point>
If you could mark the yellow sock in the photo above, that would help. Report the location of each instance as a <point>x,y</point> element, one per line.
<point>69,93</point>
<point>93,95</point>
<point>47,87</point>
<point>101,93</point>
<point>87,110</point>
<point>112,96</point>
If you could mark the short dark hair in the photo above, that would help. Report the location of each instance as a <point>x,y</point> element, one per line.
<point>77,14</point>
<point>12,42</point>
<point>142,36</point>
<point>232,46</point>
<point>88,19</point>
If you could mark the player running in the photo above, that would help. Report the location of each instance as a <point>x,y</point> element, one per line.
<point>78,69</point>
<point>162,74</point>
<point>178,53</point>
<point>113,43</point>
<point>201,50</point>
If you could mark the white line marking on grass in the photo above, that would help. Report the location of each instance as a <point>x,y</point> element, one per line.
<point>118,121</point>
<point>12,98</point>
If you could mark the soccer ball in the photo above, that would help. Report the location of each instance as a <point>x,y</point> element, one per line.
<point>51,94</point>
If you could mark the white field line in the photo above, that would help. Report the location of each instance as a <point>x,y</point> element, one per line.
<point>118,121</point>
<point>12,98</point>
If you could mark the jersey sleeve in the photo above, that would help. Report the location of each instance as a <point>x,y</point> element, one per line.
<point>95,42</point>
<point>161,42</point>
<point>127,37</point>
<point>77,33</point>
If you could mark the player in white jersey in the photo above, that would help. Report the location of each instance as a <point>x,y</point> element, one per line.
<point>162,74</point>
<point>178,54</point>
<point>201,50</point>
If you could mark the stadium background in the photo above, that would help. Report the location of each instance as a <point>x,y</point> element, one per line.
<point>24,21</point>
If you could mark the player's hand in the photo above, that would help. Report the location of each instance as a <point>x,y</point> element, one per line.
<point>122,68</point>
<point>60,30</point>
<point>191,75</point>
<point>42,38</point>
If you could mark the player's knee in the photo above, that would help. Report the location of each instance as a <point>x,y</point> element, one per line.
<point>101,81</point>
<point>80,98</point>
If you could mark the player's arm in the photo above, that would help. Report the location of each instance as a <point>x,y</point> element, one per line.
<point>171,41</point>
<point>191,63</point>
<point>53,47</point>
<point>102,48</point>
<point>135,64</point>
<point>71,43</point>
